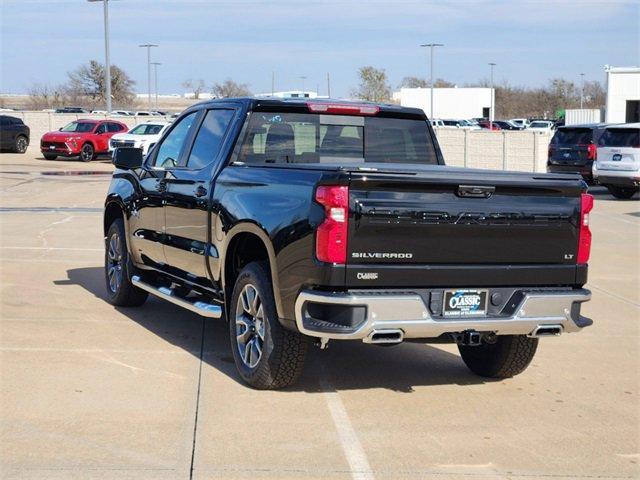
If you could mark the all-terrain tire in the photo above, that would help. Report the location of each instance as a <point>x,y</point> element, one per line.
<point>48,156</point>
<point>507,357</point>
<point>623,193</point>
<point>282,351</point>
<point>120,290</point>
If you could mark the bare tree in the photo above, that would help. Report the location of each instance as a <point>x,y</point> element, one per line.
<point>196,87</point>
<point>373,85</point>
<point>413,82</point>
<point>229,88</point>
<point>44,96</point>
<point>86,85</point>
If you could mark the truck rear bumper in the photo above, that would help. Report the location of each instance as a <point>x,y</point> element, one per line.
<point>366,314</point>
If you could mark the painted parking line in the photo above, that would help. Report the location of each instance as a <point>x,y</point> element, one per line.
<point>351,446</point>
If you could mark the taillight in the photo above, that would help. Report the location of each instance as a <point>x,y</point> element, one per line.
<point>584,237</point>
<point>592,151</point>
<point>331,236</point>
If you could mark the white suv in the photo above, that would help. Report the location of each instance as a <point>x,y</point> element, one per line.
<point>617,165</point>
<point>143,136</point>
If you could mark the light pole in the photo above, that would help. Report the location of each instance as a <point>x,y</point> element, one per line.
<point>303,78</point>
<point>107,68</point>
<point>431,47</point>
<point>155,80</point>
<point>148,46</point>
<point>581,89</point>
<point>491,114</point>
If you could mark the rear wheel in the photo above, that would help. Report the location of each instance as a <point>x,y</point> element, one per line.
<point>87,153</point>
<point>509,355</point>
<point>21,144</point>
<point>623,193</point>
<point>49,156</point>
<point>118,268</point>
<point>266,355</point>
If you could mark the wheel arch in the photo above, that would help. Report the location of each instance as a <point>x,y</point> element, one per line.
<point>254,244</point>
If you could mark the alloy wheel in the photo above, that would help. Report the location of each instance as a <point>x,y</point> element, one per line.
<point>250,326</point>
<point>21,144</point>
<point>114,263</point>
<point>87,153</point>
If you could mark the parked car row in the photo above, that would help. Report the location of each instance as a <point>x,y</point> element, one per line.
<point>604,154</point>
<point>482,123</point>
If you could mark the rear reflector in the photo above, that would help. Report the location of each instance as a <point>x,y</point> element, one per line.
<point>343,108</point>
<point>331,236</point>
<point>584,238</point>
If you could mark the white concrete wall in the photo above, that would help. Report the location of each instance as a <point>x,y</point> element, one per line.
<point>495,150</point>
<point>622,84</point>
<point>510,150</point>
<point>448,103</point>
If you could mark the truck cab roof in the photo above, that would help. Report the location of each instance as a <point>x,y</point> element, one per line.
<point>258,103</point>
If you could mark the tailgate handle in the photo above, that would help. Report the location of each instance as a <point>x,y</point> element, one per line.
<point>475,191</point>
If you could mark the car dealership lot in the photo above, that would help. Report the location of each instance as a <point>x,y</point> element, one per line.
<point>90,391</point>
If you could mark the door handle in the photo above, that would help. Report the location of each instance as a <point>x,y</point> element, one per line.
<point>200,191</point>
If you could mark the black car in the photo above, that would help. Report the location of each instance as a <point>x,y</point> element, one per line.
<point>71,110</point>
<point>14,134</point>
<point>303,221</point>
<point>573,149</point>
<point>506,125</point>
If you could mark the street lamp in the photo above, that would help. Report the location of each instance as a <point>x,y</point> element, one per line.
<point>303,78</point>
<point>148,46</point>
<point>491,114</point>
<point>107,69</point>
<point>431,46</point>
<point>155,78</point>
<point>581,89</point>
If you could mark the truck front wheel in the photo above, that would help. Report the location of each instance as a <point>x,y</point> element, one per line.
<point>266,355</point>
<point>507,356</point>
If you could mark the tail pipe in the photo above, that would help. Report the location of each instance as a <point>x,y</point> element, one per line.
<point>546,331</point>
<point>391,335</point>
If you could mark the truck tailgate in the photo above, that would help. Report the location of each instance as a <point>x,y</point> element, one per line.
<point>433,219</point>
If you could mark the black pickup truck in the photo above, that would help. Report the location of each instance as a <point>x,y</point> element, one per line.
<point>303,221</point>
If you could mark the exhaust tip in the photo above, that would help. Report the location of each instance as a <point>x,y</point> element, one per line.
<point>547,331</point>
<point>385,336</point>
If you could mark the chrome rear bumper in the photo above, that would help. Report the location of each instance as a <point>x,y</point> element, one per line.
<point>407,312</point>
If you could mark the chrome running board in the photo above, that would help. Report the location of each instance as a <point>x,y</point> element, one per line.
<point>201,308</point>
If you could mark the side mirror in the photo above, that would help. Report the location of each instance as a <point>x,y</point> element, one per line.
<point>127,158</point>
<point>60,129</point>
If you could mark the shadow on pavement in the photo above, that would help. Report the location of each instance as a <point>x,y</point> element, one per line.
<point>347,365</point>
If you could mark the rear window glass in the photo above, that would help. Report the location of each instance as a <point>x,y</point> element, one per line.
<point>573,136</point>
<point>620,137</point>
<point>315,138</point>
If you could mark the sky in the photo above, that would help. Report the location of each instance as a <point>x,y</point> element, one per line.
<point>531,41</point>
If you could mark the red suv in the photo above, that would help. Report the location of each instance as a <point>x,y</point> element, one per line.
<point>84,138</point>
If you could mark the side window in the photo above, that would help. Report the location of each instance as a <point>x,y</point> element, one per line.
<point>113,127</point>
<point>171,148</point>
<point>209,139</point>
<point>102,128</point>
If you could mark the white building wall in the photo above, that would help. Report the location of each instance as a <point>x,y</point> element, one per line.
<point>448,103</point>
<point>623,83</point>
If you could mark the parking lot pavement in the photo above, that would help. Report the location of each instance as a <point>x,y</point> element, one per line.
<point>91,391</point>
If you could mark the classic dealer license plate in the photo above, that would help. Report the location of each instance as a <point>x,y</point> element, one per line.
<point>465,303</point>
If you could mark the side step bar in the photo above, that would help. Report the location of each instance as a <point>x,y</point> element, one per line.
<point>205,309</point>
